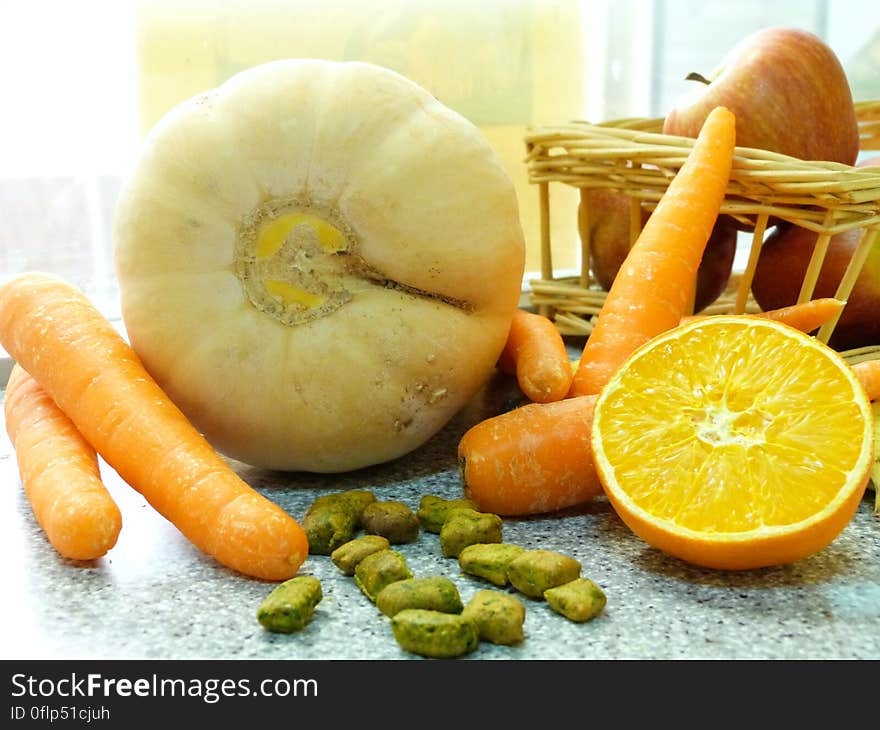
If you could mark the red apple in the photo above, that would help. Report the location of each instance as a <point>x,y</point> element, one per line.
<point>782,264</point>
<point>789,93</point>
<point>609,231</point>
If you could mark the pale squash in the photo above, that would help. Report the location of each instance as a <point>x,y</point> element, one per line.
<point>318,261</point>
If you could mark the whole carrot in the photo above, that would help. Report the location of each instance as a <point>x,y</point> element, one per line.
<point>868,373</point>
<point>531,460</point>
<point>535,353</point>
<point>653,286</point>
<point>59,472</point>
<point>73,352</point>
<point>804,316</point>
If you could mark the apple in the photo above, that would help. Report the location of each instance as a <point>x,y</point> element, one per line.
<point>608,220</point>
<point>609,231</point>
<point>783,263</point>
<point>788,91</point>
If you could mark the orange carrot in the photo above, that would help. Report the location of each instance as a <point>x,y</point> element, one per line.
<point>653,287</point>
<point>868,373</point>
<point>806,316</point>
<point>531,460</point>
<point>59,471</point>
<point>535,352</point>
<point>82,363</point>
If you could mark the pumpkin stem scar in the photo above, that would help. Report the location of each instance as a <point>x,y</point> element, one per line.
<point>297,262</point>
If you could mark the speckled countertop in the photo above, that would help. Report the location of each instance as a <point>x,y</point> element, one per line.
<point>154,596</point>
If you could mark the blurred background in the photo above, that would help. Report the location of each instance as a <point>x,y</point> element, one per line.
<point>82,82</point>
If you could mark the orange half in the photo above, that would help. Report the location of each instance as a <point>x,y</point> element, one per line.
<point>734,442</point>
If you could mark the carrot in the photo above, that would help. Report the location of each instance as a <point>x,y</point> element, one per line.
<point>535,352</point>
<point>59,471</point>
<point>653,287</point>
<point>805,316</point>
<point>531,460</point>
<point>82,363</point>
<point>868,373</point>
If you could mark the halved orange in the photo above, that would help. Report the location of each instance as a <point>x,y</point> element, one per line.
<point>734,442</point>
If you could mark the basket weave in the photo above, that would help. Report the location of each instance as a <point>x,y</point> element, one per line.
<point>634,157</point>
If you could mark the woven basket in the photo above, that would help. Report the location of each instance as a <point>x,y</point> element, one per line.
<point>632,156</point>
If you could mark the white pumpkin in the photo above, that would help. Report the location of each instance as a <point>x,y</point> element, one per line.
<point>318,262</point>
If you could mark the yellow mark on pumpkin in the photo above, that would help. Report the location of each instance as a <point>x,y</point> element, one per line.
<point>273,235</point>
<point>290,294</point>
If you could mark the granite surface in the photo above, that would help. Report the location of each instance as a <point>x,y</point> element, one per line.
<point>155,596</point>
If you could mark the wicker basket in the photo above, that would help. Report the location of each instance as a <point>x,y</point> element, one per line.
<point>632,156</point>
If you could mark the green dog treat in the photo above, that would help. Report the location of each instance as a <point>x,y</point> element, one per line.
<point>357,500</point>
<point>380,569</point>
<point>393,520</point>
<point>434,633</point>
<point>465,527</point>
<point>535,571</point>
<point>290,606</point>
<point>579,600</point>
<point>434,510</point>
<point>499,617</point>
<point>333,519</point>
<point>436,593</point>
<point>347,556</point>
<point>327,529</point>
<point>489,560</point>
